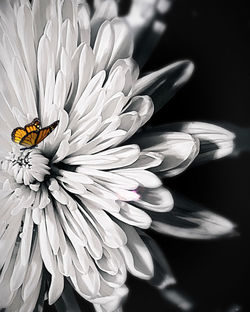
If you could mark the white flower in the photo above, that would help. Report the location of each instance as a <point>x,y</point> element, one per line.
<point>71,204</point>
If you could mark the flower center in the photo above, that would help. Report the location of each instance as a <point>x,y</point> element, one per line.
<point>26,166</point>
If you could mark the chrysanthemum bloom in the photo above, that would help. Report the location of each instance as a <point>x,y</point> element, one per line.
<point>71,207</point>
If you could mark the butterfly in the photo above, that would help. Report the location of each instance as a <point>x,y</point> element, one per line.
<point>32,134</point>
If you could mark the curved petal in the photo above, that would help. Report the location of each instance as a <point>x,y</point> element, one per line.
<point>133,216</point>
<point>215,141</point>
<point>178,149</point>
<point>136,255</point>
<point>104,11</point>
<point>114,301</point>
<point>156,199</point>
<point>163,276</point>
<point>192,221</point>
<point>147,22</point>
<point>103,47</point>
<point>162,84</point>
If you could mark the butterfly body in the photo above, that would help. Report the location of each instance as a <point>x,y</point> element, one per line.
<point>32,134</point>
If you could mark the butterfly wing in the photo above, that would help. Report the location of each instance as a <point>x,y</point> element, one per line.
<point>44,132</point>
<point>29,140</point>
<point>33,126</point>
<point>31,134</point>
<point>18,134</point>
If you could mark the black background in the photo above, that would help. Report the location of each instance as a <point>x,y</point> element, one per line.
<point>215,35</point>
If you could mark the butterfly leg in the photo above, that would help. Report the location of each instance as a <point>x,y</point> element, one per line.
<point>26,148</point>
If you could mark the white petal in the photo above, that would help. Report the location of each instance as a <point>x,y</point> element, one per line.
<point>26,34</point>
<point>130,123</point>
<point>136,255</point>
<point>6,294</point>
<point>111,234</point>
<point>56,288</point>
<point>63,148</point>
<point>123,44</point>
<point>26,237</point>
<point>19,272</point>
<point>84,24</point>
<point>91,200</point>
<point>133,216</point>
<point>92,90</point>
<point>71,226</point>
<point>42,12</point>
<point>147,160</point>
<point>69,37</point>
<point>34,271</point>
<point>109,159</point>
<point>94,243</point>
<point>85,70</point>
<point>179,150</point>
<point>147,23</point>
<point>8,239</point>
<point>69,11</point>
<point>113,301</point>
<point>51,226</point>
<point>103,46</point>
<point>163,276</point>
<point>159,199</point>
<point>192,221</point>
<point>78,176</point>
<point>143,177</point>
<point>88,284</point>
<point>107,10</point>
<point>161,85</point>
<point>60,87</point>
<point>46,251</point>
<point>109,263</point>
<point>143,105</point>
<point>215,141</point>
<point>113,178</point>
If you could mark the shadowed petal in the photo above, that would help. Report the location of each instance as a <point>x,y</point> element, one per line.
<point>114,301</point>
<point>215,142</point>
<point>163,276</point>
<point>177,148</point>
<point>162,84</point>
<point>190,220</point>
<point>147,22</point>
<point>136,254</point>
<point>155,199</point>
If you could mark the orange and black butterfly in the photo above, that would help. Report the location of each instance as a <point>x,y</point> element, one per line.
<point>32,134</point>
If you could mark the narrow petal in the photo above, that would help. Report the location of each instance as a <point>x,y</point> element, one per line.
<point>145,178</point>
<point>123,43</point>
<point>111,234</point>
<point>147,22</point>
<point>109,159</point>
<point>136,255</point>
<point>178,149</point>
<point>215,142</point>
<point>114,301</point>
<point>133,216</point>
<point>156,199</point>
<point>162,85</point>
<point>103,47</point>
<point>163,276</point>
<point>105,11</point>
<point>191,220</point>
<point>143,105</point>
<point>34,272</point>
<point>147,160</point>
<point>56,286</point>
